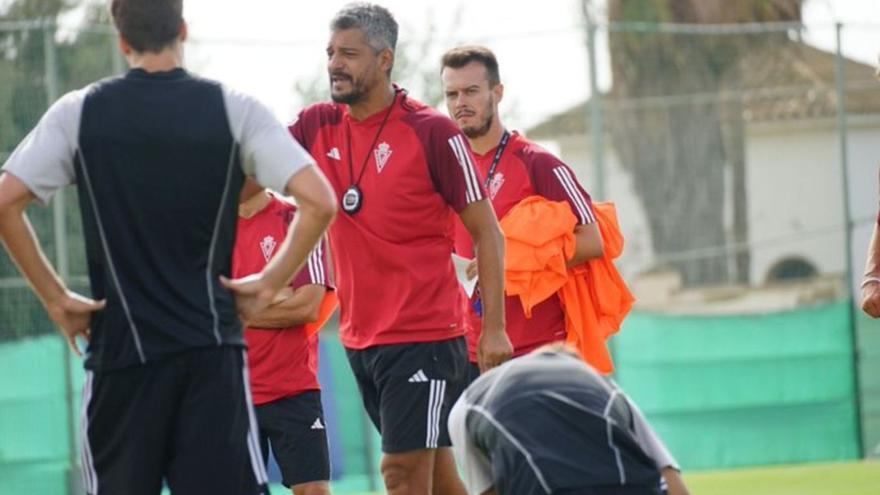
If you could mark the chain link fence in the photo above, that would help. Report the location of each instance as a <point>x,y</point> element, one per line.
<point>744,163</point>
<point>743,160</point>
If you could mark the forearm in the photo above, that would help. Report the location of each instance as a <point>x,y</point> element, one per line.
<point>278,319</point>
<point>21,243</point>
<point>588,245</point>
<point>490,256</point>
<point>281,316</point>
<point>872,265</point>
<point>298,308</point>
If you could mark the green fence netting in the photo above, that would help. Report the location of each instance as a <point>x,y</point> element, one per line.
<point>745,390</point>
<point>722,391</point>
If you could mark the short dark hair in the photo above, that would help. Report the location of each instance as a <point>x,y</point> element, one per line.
<point>148,25</point>
<point>376,22</point>
<point>460,56</point>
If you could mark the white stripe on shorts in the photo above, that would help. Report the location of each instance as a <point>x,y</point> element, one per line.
<point>435,407</point>
<point>253,441</point>
<point>90,476</point>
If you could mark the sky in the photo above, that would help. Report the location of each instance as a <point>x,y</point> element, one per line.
<point>293,37</point>
<point>264,47</point>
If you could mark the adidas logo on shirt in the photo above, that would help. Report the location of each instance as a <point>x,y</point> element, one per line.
<point>318,425</point>
<point>418,377</point>
<point>334,153</point>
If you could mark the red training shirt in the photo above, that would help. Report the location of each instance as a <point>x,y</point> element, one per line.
<point>395,276</point>
<point>283,362</point>
<point>525,169</point>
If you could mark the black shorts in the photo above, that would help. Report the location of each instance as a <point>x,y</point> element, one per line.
<point>408,390</point>
<point>295,430</point>
<point>187,420</point>
<point>473,372</point>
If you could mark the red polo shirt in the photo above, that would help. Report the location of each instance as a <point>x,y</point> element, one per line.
<point>395,278</point>
<point>526,169</point>
<point>282,362</point>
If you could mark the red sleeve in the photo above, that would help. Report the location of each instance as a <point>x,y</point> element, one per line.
<point>309,121</point>
<point>299,130</point>
<point>555,181</point>
<point>449,160</point>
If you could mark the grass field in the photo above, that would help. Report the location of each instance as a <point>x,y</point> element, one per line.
<point>855,478</point>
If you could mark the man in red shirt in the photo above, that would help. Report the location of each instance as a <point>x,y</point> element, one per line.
<point>514,168</point>
<point>401,171</point>
<point>282,354</point>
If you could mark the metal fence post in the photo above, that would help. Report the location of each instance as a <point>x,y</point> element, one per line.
<point>840,84</point>
<point>596,117</point>
<point>118,60</point>
<point>62,262</point>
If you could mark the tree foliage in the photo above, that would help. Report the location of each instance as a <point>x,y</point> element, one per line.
<point>82,55</point>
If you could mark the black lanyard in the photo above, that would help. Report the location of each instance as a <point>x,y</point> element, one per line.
<point>497,159</point>
<point>355,183</point>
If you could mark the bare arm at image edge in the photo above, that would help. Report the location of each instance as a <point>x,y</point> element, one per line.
<point>870,289</point>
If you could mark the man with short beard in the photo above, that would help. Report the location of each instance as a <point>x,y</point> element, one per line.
<point>514,168</point>
<point>401,171</point>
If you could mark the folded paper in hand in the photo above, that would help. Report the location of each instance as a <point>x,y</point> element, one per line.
<point>461,264</point>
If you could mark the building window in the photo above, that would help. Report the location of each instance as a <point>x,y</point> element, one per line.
<point>791,269</point>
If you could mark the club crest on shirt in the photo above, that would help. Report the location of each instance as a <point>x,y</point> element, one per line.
<point>382,153</point>
<point>267,245</point>
<point>495,184</point>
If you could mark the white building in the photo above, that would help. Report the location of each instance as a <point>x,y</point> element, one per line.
<point>794,178</point>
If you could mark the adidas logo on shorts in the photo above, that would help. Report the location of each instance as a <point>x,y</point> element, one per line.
<point>318,425</point>
<point>418,377</point>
